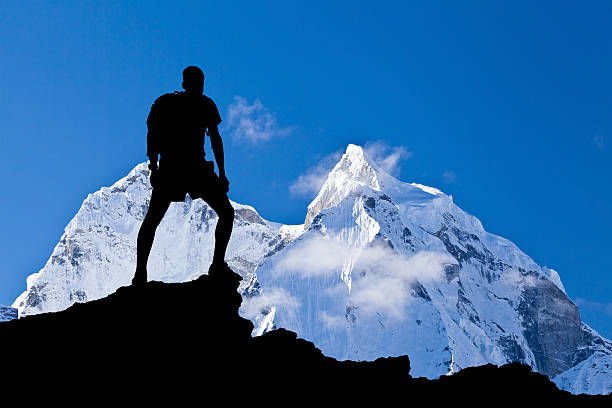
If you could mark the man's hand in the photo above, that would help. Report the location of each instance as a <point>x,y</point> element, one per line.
<point>154,174</point>
<point>224,183</point>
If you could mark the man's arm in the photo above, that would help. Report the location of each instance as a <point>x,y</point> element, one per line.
<point>152,136</point>
<point>151,152</point>
<point>153,156</point>
<point>217,147</point>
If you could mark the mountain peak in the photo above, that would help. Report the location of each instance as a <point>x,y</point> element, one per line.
<point>356,168</point>
<point>354,151</point>
<point>351,171</point>
<point>355,165</point>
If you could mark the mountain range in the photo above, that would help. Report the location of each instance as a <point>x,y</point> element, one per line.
<point>379,268</point>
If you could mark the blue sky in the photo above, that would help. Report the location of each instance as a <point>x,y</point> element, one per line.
<point>504,105</point>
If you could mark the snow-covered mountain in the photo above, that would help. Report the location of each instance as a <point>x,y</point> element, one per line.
<point>97,252</point>
<point>390,268</point>
<point>379,268</point>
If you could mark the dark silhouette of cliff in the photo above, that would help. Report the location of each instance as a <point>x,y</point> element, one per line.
<point>183,342</point>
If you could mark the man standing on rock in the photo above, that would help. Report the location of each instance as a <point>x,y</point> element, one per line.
<point>176,127</point>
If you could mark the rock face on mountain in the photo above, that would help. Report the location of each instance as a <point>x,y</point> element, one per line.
<point>7,313</point>
<point>379,268</point>
<point>185,342</point>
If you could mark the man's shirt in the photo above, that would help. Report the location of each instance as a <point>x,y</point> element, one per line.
<point>176,126</point>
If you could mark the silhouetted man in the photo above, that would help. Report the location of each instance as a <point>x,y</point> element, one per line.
<point>176,127</point>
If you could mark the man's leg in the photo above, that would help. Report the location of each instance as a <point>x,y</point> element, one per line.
<point>157,208</point>
<point>222,206</point>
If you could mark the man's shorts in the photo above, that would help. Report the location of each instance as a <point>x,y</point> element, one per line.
<point>199,181</point>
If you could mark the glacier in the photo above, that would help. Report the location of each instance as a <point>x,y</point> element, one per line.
<point>380,267</point>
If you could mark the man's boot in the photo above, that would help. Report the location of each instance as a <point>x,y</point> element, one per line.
<point>222,272</point>
<point>140,277</point>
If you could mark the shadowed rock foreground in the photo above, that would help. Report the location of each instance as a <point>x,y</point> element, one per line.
<point>186,342</point>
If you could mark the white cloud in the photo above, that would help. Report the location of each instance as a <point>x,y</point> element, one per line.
<point>333,322</point>
<point>515,278</point>
<point>386,279</point>
<point>387,157</point>
<point>599,140</point>
<point>382,279</point>
<point>314,257</point>
<point>253,306</point>
<point>253,122</point>
<point>310,183</point>
<point>449,176</point>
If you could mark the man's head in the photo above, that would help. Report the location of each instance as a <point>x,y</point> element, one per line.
<point>193,79</point>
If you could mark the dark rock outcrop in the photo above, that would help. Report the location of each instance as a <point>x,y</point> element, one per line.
<point>552,328</point>
<point>184,342</point>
